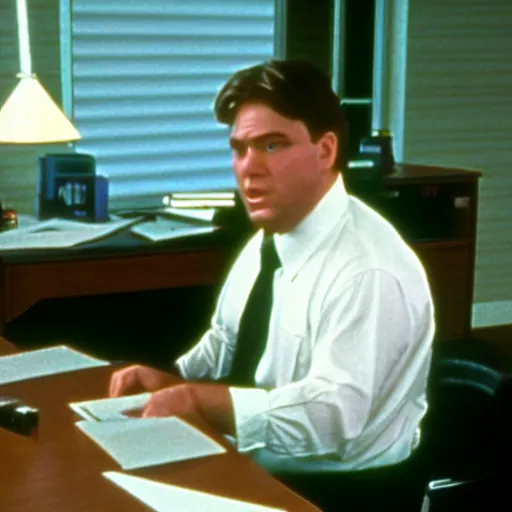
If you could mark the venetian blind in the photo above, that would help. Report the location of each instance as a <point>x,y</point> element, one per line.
<point>145,75</point>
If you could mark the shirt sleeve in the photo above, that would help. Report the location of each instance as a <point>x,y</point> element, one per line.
<point>362,331</point>
<point>211,357</point>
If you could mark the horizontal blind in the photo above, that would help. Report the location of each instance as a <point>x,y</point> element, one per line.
<point>145,76</point>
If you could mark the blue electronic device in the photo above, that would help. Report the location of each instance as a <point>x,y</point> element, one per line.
<point>68,187</point>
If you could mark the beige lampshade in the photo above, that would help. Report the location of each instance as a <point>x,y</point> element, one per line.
<point>30,116</point>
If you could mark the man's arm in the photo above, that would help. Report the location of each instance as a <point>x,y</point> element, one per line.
<point>215,406</point>
<point>210,358</point>
<point>197,402</point>
<point>365,328</point>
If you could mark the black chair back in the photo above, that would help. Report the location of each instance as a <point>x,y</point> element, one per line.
<point>460,430</point>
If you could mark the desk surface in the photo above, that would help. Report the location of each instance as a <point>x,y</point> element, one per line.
<point>123,243</point>
<point>118,264</point>
<point>61,470</point>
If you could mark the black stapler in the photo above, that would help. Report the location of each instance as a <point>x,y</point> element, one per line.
<point>18,417</point>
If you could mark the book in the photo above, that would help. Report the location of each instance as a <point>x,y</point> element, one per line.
<point>200,200</point>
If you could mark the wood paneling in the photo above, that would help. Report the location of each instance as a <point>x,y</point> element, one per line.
<point>27,284</point>
<point>447,268</point>
<point>458,112</point>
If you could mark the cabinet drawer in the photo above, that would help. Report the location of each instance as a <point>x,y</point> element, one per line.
<point>448,270</point>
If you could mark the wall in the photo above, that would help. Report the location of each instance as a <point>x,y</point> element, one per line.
<point>450,72</point>
<point>454,103</point>
<point>18,163</point>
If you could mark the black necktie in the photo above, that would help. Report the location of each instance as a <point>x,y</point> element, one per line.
<point>254,322</point>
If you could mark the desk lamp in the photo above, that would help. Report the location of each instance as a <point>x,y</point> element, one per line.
<point>30,116</point>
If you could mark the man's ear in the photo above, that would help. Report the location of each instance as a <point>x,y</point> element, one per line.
<point>328,150</point>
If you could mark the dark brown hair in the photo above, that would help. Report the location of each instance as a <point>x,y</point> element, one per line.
<point>295,89</point>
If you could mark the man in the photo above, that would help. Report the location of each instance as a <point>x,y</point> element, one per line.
<point>340,384</point>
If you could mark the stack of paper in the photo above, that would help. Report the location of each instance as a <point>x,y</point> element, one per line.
<point>141,442</point>
<point>59,234</point>
<point>47,361</point>
<point>108,409</point>
<point>166,498</point>
<point>200,199</point>
<point>193,214</point>
<point>166,229</point>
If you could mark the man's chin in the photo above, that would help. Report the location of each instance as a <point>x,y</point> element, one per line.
<point>262,219</point>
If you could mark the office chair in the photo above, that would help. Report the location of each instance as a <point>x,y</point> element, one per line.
<point>459,440</point>
<point>476,495</point>
<point>475,449</point>
<point>460,428</point>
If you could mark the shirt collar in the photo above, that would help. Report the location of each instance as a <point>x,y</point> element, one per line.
<point>296,246</point>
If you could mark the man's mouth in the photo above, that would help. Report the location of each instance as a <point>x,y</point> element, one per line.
<point>253,192</point>
<point>255,195</point>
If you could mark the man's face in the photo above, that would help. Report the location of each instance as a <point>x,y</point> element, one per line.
<point>280,172</point>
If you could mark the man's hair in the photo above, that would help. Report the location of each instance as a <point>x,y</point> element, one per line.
<point>295,89</point>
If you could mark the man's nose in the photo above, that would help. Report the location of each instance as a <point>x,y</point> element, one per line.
<point>251,160</point>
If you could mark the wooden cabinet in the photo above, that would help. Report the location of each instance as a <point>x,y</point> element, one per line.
<point>435,209</point>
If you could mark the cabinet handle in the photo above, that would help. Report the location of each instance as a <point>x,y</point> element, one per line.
<point>461,202</point>
<point>391,194</point>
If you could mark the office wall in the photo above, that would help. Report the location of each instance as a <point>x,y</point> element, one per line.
<point>451,76</point>
<point>18,163</point>
<point>307,36</point>
<point>458,112</point>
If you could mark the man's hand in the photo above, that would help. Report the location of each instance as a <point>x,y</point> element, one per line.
<point>138,379</point>
<point>194,401</point>
<point>173,401</point>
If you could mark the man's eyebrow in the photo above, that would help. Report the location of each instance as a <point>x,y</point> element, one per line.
<point>234,141</point>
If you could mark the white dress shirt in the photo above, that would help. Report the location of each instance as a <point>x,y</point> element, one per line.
<point>341,384</point>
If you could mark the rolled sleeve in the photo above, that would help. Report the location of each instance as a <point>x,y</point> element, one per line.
<point>357,345</point>
<point>210,358</point>
<point>251,406</point>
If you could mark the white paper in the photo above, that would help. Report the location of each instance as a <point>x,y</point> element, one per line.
<point>203,195</point>
<point>108,409</point>
<point>201,203</point>
<point>167,229</point>
<point>47,361</point>
<point>58,233</point>
<point>171,498</point>
<point>141,442</point>
<point>205,214</point>
<point>25,220</point>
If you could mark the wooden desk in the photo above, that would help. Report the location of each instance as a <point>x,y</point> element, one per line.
<point>6,347</point>
<point>434,208</point>
<point>61,471</point>
<point>121,263</point>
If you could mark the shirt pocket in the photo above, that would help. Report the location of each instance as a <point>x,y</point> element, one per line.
<point>291,359</point>
<point>292,347</point>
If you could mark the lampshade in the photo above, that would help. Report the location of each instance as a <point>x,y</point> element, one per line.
<point>31,116</point>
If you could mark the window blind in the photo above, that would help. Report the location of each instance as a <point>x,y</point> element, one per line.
<point>145,75</point>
